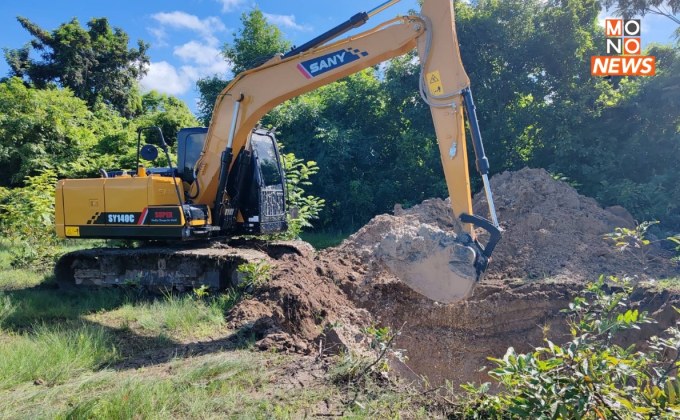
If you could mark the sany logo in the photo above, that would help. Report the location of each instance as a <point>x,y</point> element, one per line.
<point>316,66</point>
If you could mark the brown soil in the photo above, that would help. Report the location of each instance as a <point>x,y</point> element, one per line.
<point>552,230</point>
<point>321,302</point>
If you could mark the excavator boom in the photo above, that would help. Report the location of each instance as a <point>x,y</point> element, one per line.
<point>236,184</point>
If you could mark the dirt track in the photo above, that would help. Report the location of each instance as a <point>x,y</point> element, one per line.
<point>320,302</point>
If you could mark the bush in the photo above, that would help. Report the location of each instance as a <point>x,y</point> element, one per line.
<point>308,206</point>
<point>27,219</point>
<point>589,376</point>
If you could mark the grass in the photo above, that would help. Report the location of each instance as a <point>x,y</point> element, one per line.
<point>236,384</point>
<point>51,305</point>
<point>322,240</point>
<point>16,279</point>
<point>51,355</point>
<point>672,284</point>
<point>70,353</point>
<point>175,316</point>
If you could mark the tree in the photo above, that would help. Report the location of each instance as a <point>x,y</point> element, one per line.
<point>96,64</point>
<point>41,129</point>
<point>254,43</point>
<point>630,8</point>
<point>167,112</point>
<point>208,89</point>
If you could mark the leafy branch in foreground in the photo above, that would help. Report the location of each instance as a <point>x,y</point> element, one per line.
<point>589,376</point>
<point>308,207</point>
<point>676,240</point>
<point>634,242</point>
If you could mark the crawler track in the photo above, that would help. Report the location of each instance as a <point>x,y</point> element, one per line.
<point>176,267</point>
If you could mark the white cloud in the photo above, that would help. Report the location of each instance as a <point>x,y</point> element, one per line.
<point>286,21</point>
<point>166,78</point>
<point>198,53</point>
<point>206,28</point>
<point>197,58</point>
<point>229,5</point>
<point>163,77</point>
<point>160,35</point>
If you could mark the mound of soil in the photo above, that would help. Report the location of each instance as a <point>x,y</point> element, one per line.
<point>301,308</point>
<point>550,229</point>
<point>322,302</point>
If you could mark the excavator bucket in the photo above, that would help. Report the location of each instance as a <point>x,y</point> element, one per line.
<point>445,274</point>
<point>427,249</point>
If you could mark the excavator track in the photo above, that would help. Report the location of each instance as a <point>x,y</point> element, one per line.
<point>169,267</point>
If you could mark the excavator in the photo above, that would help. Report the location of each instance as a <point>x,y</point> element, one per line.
<point>229,179</point>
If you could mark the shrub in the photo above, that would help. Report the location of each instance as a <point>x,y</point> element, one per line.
<point>589,376</point>
<point>27,217</point>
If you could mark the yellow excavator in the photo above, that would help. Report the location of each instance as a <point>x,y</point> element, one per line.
<point>229,179</point>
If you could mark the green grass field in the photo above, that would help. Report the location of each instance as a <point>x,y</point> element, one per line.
<point>87,353</point>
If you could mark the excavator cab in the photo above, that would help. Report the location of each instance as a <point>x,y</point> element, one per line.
<point>190,143</point>
<point>256,183</point>
<point>257,186</point>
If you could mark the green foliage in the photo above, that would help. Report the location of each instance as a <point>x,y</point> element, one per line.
<point>256,41</point>
<point>41,129</point>
<point>307,207</point>
<point>633,242</point>
<point>50,355</point>
<point>255,274</point>
<point>589,376</point>
<point>169,113</point>
<point>209,88</point>
<point>95,63</point>
<point>27,217</point>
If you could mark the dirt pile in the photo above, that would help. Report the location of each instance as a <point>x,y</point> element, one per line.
<point>322,302</point>
<point>427,257</point>
<point>549,230</point>
<point>301,308</point>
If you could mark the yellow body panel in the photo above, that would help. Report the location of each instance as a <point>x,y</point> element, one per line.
<point>82,199</point>
<point>126,194</point>
<point>80,202</point>
<point>161,191</point>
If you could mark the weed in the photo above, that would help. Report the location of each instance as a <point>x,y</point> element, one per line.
<point>255,274</point>
<point>350,367</point>
<point>50,355</point>
<point>589,376</point>
<point>226,300</point>
<point>634,242</point>
<point>174,315</point>
<point>202,292</point>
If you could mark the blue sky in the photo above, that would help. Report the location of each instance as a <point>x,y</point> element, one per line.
<point>186,36</point>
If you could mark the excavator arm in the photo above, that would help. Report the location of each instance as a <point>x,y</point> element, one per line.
<point>229,179</point>
<point>444,85</point>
